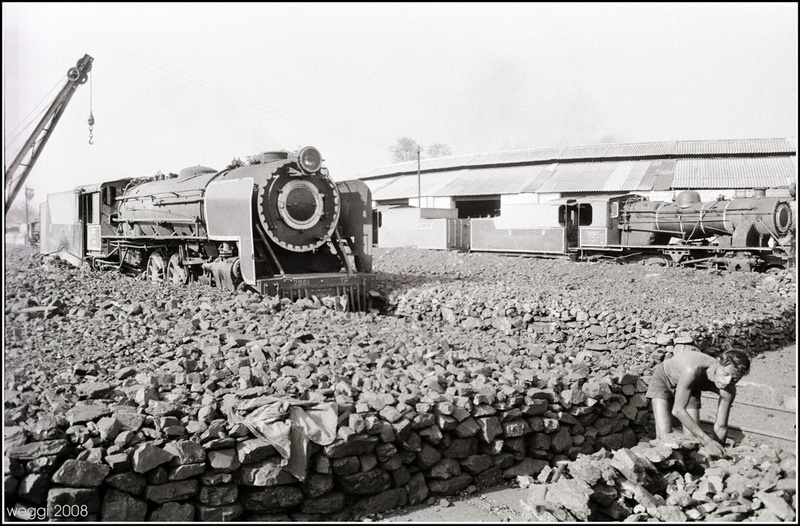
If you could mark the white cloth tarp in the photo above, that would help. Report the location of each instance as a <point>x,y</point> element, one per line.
<point>288,424</point>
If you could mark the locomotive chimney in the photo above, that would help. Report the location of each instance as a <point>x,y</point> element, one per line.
<point>760,192</point>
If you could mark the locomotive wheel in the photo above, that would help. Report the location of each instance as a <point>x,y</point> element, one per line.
<point>156,267</point>
<point>657,261</point>
<point>176,273</point>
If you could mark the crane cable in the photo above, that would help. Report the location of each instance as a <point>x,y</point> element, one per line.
<point>24,124</point>
<point>91,116</point>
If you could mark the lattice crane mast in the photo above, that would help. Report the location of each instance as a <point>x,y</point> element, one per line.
<point>14,182</point>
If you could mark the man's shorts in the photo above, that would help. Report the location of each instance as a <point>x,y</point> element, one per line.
<point>661,387</point>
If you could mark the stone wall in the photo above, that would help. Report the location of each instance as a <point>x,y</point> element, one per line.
<point>387,453</point>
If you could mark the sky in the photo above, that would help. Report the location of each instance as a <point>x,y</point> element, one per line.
<point>183,84</point>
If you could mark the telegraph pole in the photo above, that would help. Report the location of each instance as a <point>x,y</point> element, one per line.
<point>27,220</point>
<point>419,183</point>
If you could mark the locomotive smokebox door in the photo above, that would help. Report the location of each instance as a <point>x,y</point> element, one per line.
<point>298,212</point>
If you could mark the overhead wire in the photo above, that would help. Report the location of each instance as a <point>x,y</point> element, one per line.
<point>174,72</point>
<point>23,124</point>
<point>18,150</point>
<point>9,183</point>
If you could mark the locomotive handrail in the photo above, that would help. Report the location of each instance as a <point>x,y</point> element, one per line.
<point>179,202</point>
<point>198,174</point>
<point>686,246</point>
<point>275,259</point>
<point>656,230</point>
<point>679,211</point>
<point>186,221</point>
<point>337,244</point>
<point>152,237</point>
<point>773,234</point>
<point>152,197</point>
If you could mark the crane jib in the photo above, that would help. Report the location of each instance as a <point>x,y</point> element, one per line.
<point>14,181</point>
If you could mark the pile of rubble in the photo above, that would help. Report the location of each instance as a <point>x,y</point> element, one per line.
<point>129,399</point>
<point>640,314</point>
<point>671,480</point>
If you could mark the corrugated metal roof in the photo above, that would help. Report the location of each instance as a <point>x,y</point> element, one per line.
<point>491,181</point>
<point>381,171</point>
<point>735,172</point>
<point>539,154</point>
<point>545,172</point>
<point>588,151</point>
<point>641,149</point>
<point>485,158</point>
<point>602,176</point>
<point>658,176</point>
<point>516,156</point>
<point>735,146</point>
<point>406,186</point>
<point>599,176</point>
<point>627,176</point>
<point>377,184</point>
<point>446,162</point>
<point>434,163</point>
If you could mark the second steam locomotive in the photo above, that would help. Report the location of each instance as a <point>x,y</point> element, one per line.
<point>739,234</point>
<point>278,224</point>
<point>742,234</point>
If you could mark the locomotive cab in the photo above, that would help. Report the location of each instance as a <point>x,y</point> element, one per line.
<point>77,225</point>
<point>97,210</point>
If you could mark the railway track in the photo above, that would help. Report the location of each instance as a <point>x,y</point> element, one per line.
<point>758,422</point>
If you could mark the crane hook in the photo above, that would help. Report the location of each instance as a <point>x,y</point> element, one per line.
<point>91,116</point>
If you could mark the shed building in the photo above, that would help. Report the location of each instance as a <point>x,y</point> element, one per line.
<point>408,196</point>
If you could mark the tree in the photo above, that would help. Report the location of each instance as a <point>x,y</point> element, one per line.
<point>404,150</point>
<point>438,150</point>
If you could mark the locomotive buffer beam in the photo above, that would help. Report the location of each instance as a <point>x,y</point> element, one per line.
<point>354,287</point>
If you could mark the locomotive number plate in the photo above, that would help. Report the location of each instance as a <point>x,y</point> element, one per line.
<point>318,282</point>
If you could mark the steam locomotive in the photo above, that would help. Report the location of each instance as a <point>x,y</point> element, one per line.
<point>744,234</point>
<point>277,224</point>
<point>755,233</point>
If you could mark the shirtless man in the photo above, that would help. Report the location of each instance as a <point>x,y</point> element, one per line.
<point>676,386</point>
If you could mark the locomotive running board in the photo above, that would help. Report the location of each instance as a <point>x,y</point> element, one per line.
<point>354,287</point>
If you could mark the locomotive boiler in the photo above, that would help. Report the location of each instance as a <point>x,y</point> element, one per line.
<point>739,223</point>
<point>736,234</point>
<point>278,224</point>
